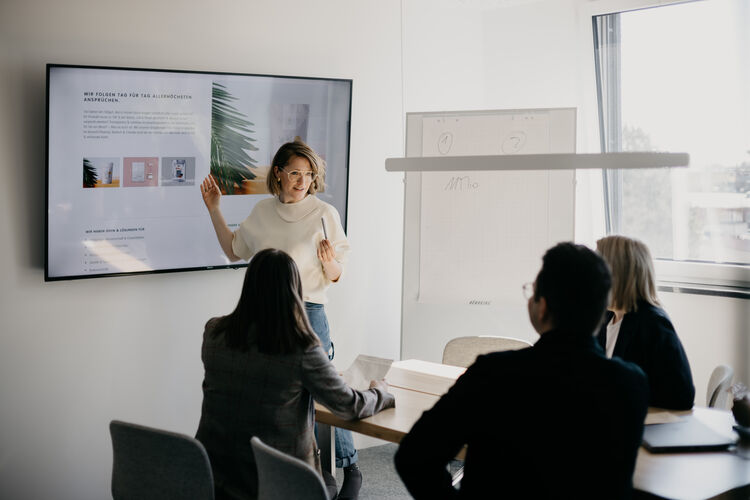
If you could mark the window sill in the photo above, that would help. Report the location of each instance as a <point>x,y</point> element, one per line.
<point>704,278</point>
<point>735,292</point>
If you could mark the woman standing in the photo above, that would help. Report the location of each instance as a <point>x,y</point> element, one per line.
<point>291,221</point>
<point>637,329</point>
<point>263,367</point>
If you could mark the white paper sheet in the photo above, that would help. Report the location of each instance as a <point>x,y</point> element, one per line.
<point>364,369</point>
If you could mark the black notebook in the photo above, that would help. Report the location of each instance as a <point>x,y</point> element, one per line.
<point>687,435</point>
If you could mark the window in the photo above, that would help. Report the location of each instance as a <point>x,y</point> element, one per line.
<point>677,78</point>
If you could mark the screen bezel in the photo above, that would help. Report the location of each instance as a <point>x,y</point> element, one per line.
<point>50,66</point>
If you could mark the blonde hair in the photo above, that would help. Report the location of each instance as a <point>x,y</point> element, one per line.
<point>632,271</point>
<point>285,154</point>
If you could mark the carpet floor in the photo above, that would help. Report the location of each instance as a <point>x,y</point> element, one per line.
<point>380,480</point>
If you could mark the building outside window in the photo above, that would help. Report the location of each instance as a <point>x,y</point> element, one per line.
<point>676,78</point>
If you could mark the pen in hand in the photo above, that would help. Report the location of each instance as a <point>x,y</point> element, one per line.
<point>325,231</point>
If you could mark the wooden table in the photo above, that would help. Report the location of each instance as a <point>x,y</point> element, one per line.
<point>670,475</point>
<point>390,425</point>
<point>416,385</point>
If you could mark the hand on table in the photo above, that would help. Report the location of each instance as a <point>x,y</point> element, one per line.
<point>379,384</point>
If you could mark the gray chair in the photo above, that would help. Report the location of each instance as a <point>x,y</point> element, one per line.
<point>717,395</point>
<point>463,351</point>
<point>155,464</point>
<point>281,476</point>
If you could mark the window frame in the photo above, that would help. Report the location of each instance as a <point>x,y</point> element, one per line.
<point>700,277</point>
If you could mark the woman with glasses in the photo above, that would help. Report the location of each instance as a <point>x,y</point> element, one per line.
<point>309,230</point>
<point>263,367</point>
<point>638,330</point>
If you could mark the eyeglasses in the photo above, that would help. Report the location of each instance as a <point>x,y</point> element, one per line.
<point>295,175</point>
<point>528,290</point>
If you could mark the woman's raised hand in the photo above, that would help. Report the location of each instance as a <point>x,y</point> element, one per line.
<point>211,197</point>
<point>211,193</point>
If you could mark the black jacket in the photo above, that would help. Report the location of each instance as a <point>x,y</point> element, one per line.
<point>556,420</point>
<point>647,338</point>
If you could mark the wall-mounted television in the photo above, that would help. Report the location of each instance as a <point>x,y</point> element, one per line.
<point>128,148</point>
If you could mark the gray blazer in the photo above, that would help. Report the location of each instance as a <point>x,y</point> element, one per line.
<point>248,394</point>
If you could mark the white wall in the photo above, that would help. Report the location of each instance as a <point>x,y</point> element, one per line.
<point>74,355</point>
<point>714,330</point>
<point>466,55</point>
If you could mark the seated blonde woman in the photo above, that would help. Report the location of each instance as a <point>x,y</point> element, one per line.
<point>637,329</point>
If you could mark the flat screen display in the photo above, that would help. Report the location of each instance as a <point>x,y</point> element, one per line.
<point>127,150</point>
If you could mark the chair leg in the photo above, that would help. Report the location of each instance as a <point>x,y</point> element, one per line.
<point>457,472</point>
<point>326,436</point>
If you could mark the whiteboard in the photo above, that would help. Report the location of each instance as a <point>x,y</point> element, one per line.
<point>472,238</point>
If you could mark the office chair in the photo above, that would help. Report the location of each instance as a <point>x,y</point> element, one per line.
<point>281,476</point>
<point>155,464</point>
<point>463,351</point>
<point>717,395</point>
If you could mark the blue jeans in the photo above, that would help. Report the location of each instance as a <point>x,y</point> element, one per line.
<point>346,454</point>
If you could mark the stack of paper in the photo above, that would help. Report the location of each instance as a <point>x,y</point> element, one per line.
<point>423,376</point>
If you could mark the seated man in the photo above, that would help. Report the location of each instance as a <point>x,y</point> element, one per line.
<point>555,420</point>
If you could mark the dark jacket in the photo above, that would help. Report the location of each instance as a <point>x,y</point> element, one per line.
<point>248,394</point>
<point>648,339</point>
<point>556,420</point>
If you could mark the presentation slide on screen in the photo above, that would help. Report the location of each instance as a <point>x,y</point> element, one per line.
<point>128,150</point>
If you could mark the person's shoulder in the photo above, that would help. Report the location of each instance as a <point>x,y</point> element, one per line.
<point>501,360</point>
<point>627,372</point>
<point>265,204</point>
<point>313,357</point>
<point>261,209</point>
<point>212,324</point>
<point>314,351</point>
<point>496,356</point>
<point>650,310</point>
<point>653,317</point>
<point>629,368</point>
<point>625,387</point>
<point>211,331</point>
<point>489,369</point>
<point>324,206</point>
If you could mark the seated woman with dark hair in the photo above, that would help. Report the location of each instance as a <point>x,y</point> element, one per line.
<point>637,329</point>
<point>263,367</point>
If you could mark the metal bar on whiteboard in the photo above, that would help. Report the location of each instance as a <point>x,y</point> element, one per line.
<point>552,161</point>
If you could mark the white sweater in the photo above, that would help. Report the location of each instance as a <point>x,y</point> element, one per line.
<point>296,229</point>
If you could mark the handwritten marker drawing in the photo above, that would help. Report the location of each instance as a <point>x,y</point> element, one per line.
<point>514,142</point>
<point>460,183</point>
<point>445,141</point>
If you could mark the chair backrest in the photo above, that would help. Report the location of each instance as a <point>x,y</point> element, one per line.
<point>155,464</point>
<point>717,395</point>
<point>281,476</point>
<point>463,351</point>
